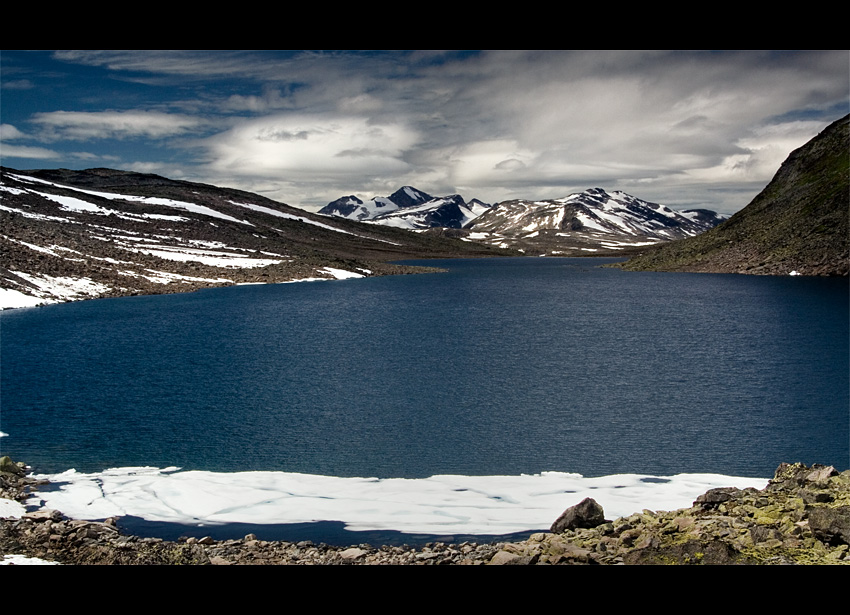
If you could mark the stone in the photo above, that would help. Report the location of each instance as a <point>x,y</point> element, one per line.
<point>503,558</point>
<point>831,524</point>
<point>821,473</point>
<point>10,467</point>
<point>43,515</point>
<point>586,514</point>
<point>714,497</point>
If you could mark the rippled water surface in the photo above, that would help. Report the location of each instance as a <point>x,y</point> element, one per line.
<point>500,366</point>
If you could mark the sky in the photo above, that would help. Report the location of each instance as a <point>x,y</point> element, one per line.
<point>686,129</point>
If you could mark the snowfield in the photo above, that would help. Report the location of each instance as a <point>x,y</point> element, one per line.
<point>443,504</point>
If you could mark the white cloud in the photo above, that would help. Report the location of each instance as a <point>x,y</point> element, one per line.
<point>271,99</point>
<point>7,132</point>
<point>19,151</point>
<point>360,103</point>
<point>759,154</point>
<point>18,84</point>
<point>494,124</point>
<point>81,126</point>
<point>334,147</point>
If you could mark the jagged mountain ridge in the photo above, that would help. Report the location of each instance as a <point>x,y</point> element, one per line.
<point>592,221</point>
<point>353,208</point>
<point>595,210</point>
<point>589,221</point>
<point>442,212</point>
<point>68,235</point>
<point>800,222</point>
<point>408,208</point>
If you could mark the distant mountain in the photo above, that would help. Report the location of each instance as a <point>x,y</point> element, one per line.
<point>445,212</point>
<point>408,208</point>
<point>68,235</point>
<point>593,221</point>
<point>354,209</point>
<point>800,222</point>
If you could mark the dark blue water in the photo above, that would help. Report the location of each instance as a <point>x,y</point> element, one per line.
<point>501,366</point>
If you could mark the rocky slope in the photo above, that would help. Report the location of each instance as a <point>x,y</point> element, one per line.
<point>67,235</point>
<point>801,517</point>
<point>799,223</point>
<point>593,222</point>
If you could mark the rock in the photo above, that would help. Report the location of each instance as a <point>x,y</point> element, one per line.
<point>10,467</point>
<point>586,514</point>
<point>692,552</point>
<point>713,497</point>
<point>831,524</point>
<point>503,558</point>
<point>44,515</point>
<point>821,473</point>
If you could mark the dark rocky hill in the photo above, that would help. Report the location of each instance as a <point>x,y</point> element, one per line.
<point>797,224</point>
<point>69,235</point>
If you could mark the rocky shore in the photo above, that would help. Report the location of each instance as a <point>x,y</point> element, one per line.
<point>801,517</point>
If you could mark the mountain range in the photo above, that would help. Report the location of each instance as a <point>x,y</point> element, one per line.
<point>799,223</point>
<point>67,235</point>
<point>592,221</point>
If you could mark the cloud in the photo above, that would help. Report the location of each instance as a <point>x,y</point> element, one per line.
<point>334,147</point>
<point>500,124</point>
<point>17,84</point>
<point>82,126</point>
<point>18,151</point>
<point>7,132</point>
<point>360,103</point>
<point>185,63</point>
<point>270,100</point>
<point>759,154</point>
<point>511,164</point>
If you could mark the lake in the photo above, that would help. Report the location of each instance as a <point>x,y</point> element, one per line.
<point>499,367</point>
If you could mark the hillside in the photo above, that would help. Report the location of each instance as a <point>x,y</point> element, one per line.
<point>798,223</point>
<point>69,235</point>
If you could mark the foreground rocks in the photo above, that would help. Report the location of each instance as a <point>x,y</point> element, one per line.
<point>801,517</point>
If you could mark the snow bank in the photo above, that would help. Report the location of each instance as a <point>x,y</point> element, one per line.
<point>441,504</point>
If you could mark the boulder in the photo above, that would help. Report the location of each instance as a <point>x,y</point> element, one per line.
<point>586,514</point>
<point>831,524</point>
<point>713,497</point>
<point>10,467</point>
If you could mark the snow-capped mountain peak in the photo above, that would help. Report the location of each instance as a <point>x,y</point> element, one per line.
<point>593,221</point>
<point>595,210</point>
<point>409,208</point>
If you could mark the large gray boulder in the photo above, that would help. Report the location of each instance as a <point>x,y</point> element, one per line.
<point>586,514</point>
